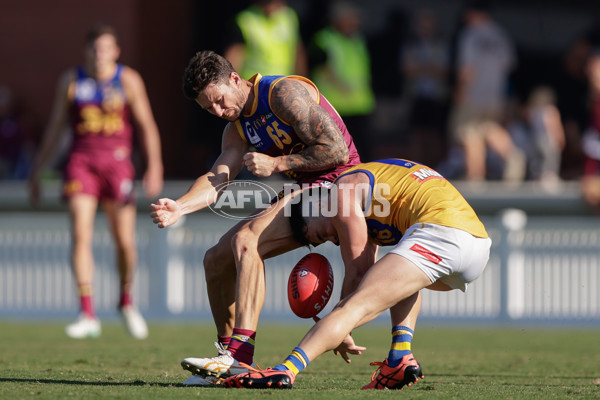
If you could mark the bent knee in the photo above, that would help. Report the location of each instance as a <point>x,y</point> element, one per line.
<point>211,256</point>
<point>126,248</point>
<point>243,241</point>
<point>218,260</point>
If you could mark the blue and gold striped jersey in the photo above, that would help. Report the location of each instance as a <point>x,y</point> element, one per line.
<point>403,193</point>
<point>271,135</point>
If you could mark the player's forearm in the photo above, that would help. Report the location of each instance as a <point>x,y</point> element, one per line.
<point>199,196</point>
<point>353,272</point>
<point>152,149</point>
<point>357,253</point>
<point>314,158</point>
<point>40,161</point>
<point>348,286</point>
<point>49,143</point>
<point>55,127</point>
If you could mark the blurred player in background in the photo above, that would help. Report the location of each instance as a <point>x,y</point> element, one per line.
<point>590,181</point>
<point>98,101</point>
<point>294,130</point>
<point>440,244</point>
<point>265,38</point>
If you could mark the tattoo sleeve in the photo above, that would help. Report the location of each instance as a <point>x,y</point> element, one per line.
<point>325,145</point>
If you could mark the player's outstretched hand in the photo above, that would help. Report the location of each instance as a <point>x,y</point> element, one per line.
<point>165,212</point>
<point>346,347</point>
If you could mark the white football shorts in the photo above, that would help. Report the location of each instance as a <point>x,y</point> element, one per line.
<point>450,255</point>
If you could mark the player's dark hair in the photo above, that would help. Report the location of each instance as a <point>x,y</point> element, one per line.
<point>298,223</point>
<point>204,68</point>
<point>98,30</point>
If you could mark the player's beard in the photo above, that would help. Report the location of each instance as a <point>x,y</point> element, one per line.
<point>237,111</point>
<point>232,115</point>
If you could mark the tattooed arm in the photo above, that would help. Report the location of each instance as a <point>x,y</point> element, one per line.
<point>324,144</point>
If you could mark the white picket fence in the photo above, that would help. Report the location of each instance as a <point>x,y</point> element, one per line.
<point>545,271</point>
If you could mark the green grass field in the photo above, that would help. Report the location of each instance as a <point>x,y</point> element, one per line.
<point>38,362</point>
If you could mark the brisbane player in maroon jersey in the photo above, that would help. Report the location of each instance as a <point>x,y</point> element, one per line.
<point>99,102</point>
<point>275,124</point>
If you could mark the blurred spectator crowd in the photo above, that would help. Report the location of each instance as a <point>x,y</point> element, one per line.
<point>463,103</point>
<point>18,137</point>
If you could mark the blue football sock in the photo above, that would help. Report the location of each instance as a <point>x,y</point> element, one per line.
<point>295,362</point>
<point>401,341</point>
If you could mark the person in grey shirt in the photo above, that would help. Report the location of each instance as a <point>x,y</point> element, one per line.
<point>485,58</point>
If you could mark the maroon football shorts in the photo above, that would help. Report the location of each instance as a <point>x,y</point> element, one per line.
<point>100,175</point>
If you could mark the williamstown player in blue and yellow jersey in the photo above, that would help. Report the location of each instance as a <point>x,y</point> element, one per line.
<point>440,244</point>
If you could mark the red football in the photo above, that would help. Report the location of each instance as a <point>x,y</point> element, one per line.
<point>310,285</point>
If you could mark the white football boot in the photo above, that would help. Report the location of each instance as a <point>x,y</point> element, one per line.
<point>134,322</point>
<point>84,327</point>
<point>199,380</point>
<point>221,366</point>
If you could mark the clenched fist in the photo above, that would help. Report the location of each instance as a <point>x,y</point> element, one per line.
<point>260,164</point>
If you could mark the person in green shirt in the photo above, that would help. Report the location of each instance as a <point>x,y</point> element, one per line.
<point>265,38</point>
<point>341,68</point>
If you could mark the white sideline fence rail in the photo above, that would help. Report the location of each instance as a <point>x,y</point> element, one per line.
<point>541,269</point>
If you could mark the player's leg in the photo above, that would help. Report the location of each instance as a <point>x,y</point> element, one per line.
<point>473,143</point>
<point>389,281</point>
<point>82,211</point>
<point>267,236</point>
<point>263,237</point>
<point>239,268</point>
<point>220,276</point>
<point>499,140</point>
<point>400,367</point>
<point>590,190</point>
<point>407,311</point>
<point>444,254</point>
<point>451,258</point>
<point>121,218</point>
<point>404,321</point>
